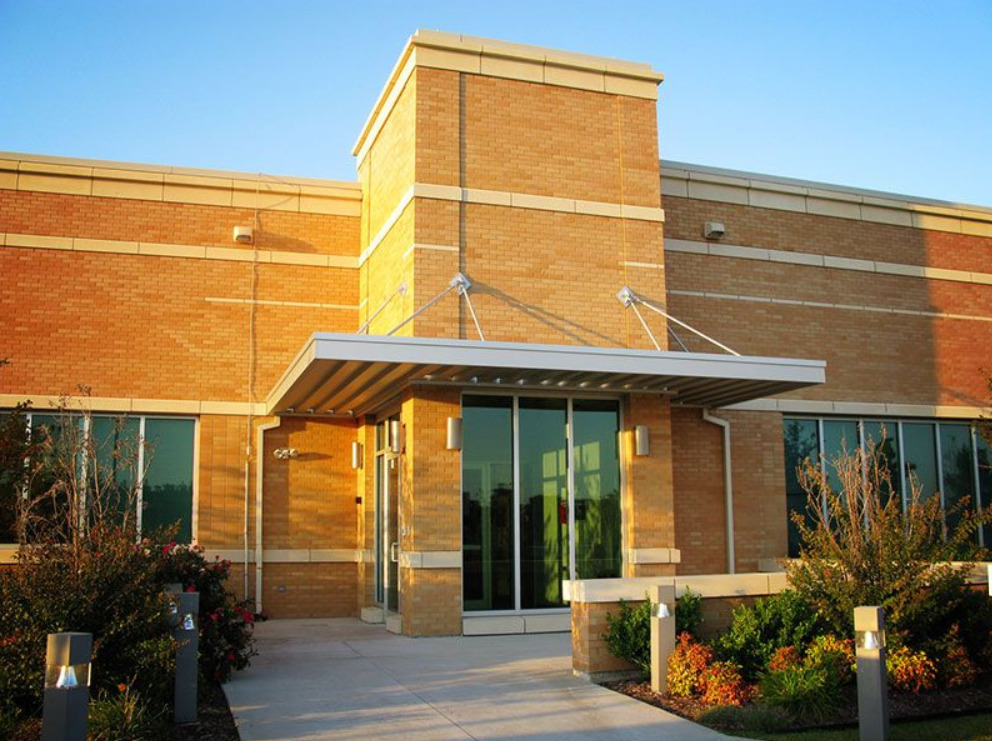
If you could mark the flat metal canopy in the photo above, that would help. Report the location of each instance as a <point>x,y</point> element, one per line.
<point>356,374</point>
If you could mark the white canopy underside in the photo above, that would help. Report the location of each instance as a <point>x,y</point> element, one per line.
<point>357,374</point>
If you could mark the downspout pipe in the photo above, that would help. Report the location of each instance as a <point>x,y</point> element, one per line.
<point>728,486</point>
<point>259,480</point>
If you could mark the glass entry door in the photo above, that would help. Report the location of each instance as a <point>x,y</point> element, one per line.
<point>540,498</point>
<point>387,515</point>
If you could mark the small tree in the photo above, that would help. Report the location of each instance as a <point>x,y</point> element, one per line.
<point>859,547</point>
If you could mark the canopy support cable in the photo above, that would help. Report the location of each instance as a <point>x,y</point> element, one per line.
<point>630,299</point>
<point>459,283</point>
<point>401,291</point>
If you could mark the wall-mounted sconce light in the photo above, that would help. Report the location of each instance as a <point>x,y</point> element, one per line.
<point>286,453</point>
<point>454,437</point>
<point>244,234</point>
<point>67,686</point>
<point>357,455</point>
<point>395,433</point>
<point>642,440</point>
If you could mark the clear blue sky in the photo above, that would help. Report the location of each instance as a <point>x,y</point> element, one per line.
<point>893,96</point>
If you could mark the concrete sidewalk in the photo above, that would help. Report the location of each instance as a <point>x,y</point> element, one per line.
<point>342,679</point>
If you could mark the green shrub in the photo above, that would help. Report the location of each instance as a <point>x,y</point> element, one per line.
<point>123,715</point>
<point>784,658</point>
<point>723,685</point>
<point>859,547</point>
<point>805,692</point>
<point>910,671</point>
<point>687,665</point>
<point>689,613</point>
<point>757,632</point>
<point>226,626</point>
<point>835,654</point>
<point>628,635</point>
<point>101,585</point>
<point>754,718</point>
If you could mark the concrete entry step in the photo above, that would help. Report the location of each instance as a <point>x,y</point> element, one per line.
<point>492,625</point>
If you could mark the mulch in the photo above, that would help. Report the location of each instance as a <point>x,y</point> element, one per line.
<point>214,723</point>
<point>942,703</point>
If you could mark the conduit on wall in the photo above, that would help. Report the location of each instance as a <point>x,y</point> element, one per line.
<point>728,486</point>
<point>259,480</point>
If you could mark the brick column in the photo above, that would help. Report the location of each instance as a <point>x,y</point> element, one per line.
<point>649,517</point>
<point>430,517</point>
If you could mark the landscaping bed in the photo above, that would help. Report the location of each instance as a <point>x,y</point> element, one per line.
<point>942,703</point>
<point>215,721</point>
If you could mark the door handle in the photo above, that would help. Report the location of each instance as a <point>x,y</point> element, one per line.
<point>394,552</point>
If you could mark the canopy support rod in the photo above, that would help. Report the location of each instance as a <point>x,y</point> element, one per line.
<point>646,327</point>
<point>678,339</point>
<point>401,291</point>
<point>459,283</point>
<point>628,298</point>
<point>471,309</point>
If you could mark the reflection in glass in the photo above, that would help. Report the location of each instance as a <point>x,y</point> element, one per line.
<point>597,489</point>
<point>487,503</point>
<point>958,462</point>
<point>801,444</point>
<point>883,437</point>
<point>985,482</point>
<point>543,502</point>
<point>840,437</point>
<point>116,453</point>
<point>167,493</point>
<point>919,446</point>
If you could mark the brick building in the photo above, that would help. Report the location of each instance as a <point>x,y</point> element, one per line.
<point>425,397</point>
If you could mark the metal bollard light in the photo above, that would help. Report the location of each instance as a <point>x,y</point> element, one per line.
<point>187,622</point>
<point>873,695</point>
<point>67,686</point>
<point>662,634</point>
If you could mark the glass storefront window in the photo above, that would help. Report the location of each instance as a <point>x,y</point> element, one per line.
<point>957,458</point>
<point>597,489</point>
<point>984,453</point>
<point>939,457</point>
<point>487,503</point>
<point>840,437</point>
<point>538,507</point>
<point>883,436</point>
<point>544,537</point>
<point>802,443</point>
<point>167,494</point>
<point>920,448</point>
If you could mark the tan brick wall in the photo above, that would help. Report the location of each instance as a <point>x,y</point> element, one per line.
<point>826,235</point>
<point>872,356</point>
<point>590,654</point>
<point>309,590</point>
<point>59,215</point>
<point>310,500</point>
<point>758,468</point>
<point>539,139</point>
<point>387,171</point>
<point>649,520</point>
<point>431,602</point>
<point>221,485</point>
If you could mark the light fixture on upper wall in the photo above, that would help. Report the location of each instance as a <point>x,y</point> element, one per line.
<point>642,440</point>
<point>714,229</point>
<point>357,455</point>
<point>244,234</point>
<point>453,440</point>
